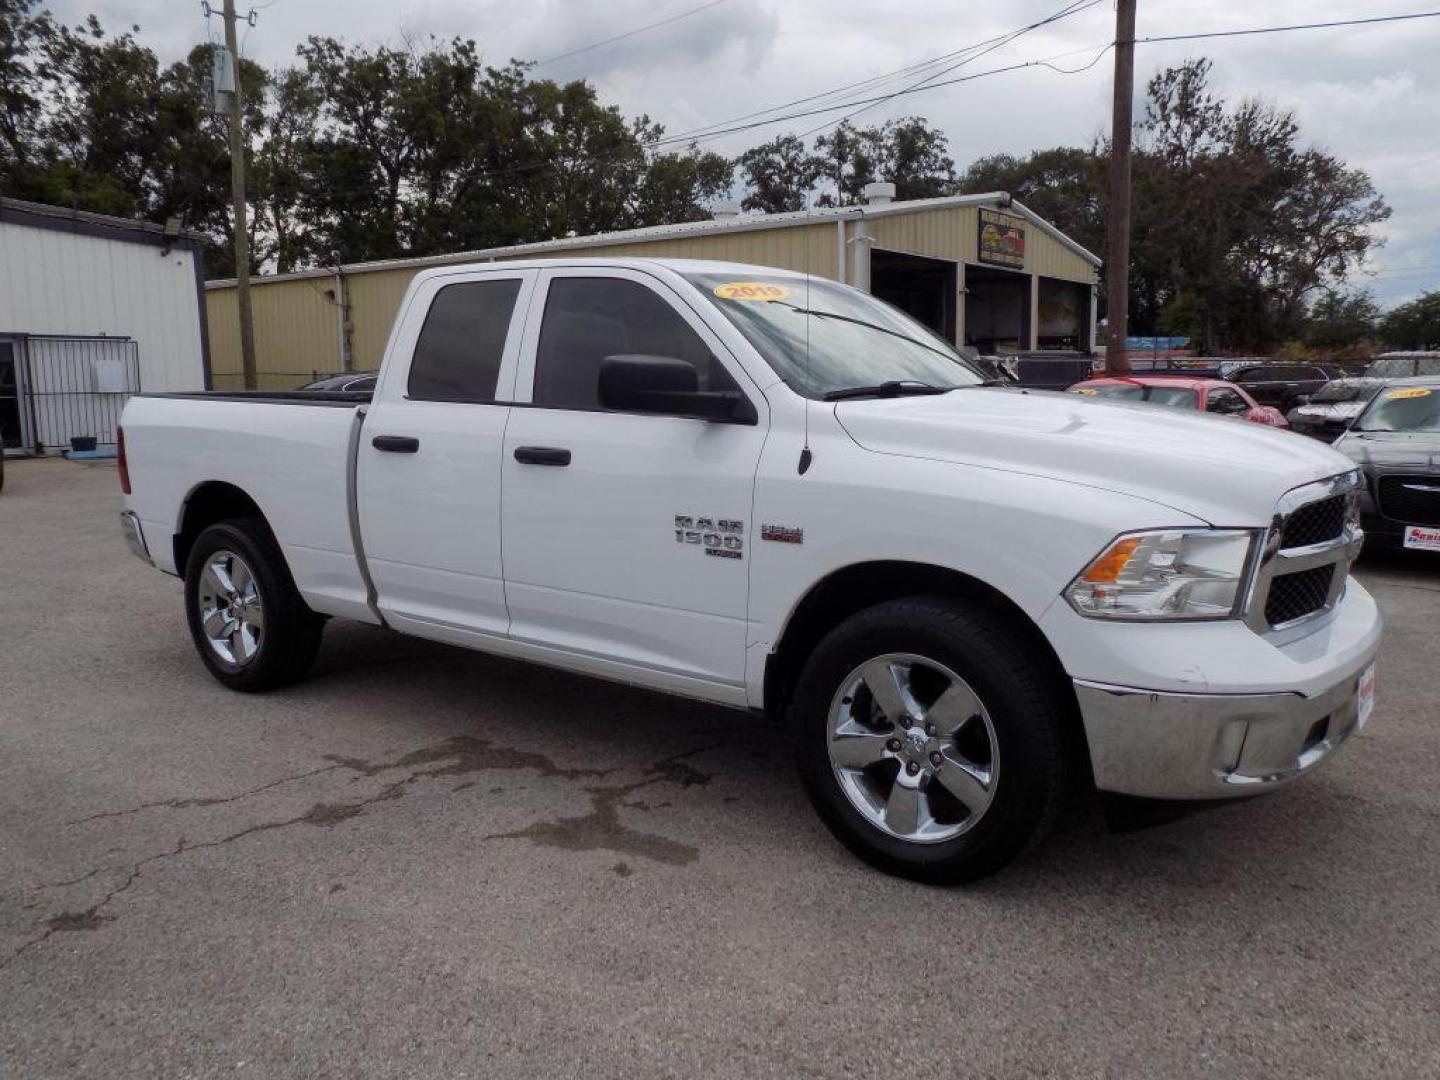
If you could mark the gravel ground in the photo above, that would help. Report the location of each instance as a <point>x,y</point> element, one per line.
<point>427,862</point>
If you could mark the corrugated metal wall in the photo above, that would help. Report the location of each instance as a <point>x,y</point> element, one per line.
<point>54,282</point>
<point>297,327</point>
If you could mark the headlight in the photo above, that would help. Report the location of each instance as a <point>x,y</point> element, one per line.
<point>1166,574</point>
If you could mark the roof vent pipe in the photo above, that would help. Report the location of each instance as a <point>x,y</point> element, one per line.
<point>879,194</point>
<point>724,211</point>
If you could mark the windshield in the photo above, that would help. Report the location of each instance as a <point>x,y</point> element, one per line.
<point>821,337</point>
<point>1399,367</point>
<point>1404,408</point>
<point>1177,397</point>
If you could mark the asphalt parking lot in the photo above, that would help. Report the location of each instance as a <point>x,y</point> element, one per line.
<point>429,863</point>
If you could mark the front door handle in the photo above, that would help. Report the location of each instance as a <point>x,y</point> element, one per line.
<point>542,455</point>
<point>396,444</point>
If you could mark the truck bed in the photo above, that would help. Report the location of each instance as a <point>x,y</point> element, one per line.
<point>295,463</point>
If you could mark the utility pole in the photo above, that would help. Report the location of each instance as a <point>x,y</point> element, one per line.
<point>1117,272</point>
<point>237,187</point>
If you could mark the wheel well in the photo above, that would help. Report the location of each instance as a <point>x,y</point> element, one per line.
<point>855,588</point>
<point>212,501</point>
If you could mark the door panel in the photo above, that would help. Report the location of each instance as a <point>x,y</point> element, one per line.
<point>429,493</point>
<point>637,549</point>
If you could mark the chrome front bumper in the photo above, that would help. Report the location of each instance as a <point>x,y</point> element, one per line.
<point>135,536</point>
<point>1212,746</point>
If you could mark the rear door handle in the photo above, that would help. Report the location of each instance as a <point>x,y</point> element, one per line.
<point>396,444</point>
<point>542,455</point>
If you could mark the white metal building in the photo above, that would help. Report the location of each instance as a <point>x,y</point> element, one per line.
<point>92,310</point>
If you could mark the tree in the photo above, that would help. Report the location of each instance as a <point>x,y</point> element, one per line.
<point>1339,320</point>
<point>1414,325</point>
<point>908,153</point>
<point>780,174</point>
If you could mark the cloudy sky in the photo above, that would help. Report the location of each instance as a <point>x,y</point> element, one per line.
<point>1367,94</point>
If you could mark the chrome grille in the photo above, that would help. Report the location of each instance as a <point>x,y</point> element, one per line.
<point>1308,549</point>
<point>1293,596</point>
<point>1314,523</point>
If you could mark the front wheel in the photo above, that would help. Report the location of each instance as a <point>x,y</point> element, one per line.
<point>929,738</point>
<point>249,624</point>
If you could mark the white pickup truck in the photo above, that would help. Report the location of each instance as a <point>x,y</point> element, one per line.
<point>750,487</point>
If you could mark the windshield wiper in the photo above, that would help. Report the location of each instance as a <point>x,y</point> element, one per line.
<point>869,326</point>
<point>893,388</point>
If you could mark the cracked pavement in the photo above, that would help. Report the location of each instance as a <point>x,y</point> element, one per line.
<point>426,862</point>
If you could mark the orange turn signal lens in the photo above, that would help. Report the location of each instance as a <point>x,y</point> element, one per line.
<point>1107,568</point>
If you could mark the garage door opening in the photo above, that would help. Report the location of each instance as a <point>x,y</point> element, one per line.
<point>1064,316</point>
<point>920,287</point>
<point>997,311</point>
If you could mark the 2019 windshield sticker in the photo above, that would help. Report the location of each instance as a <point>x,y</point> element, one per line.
<point>720,537</point>
<point>751,290</point>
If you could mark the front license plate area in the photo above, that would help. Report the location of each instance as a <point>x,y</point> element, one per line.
<point>1422,538</point>
<point>1364,696</point>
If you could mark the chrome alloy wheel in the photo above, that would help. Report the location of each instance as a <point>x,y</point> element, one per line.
<point>231,613</point>
<point>913,748</point>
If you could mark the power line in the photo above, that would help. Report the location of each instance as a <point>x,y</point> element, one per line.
<point>631,33</point>
<point>1296,26</point>
<point>872,81</point>
<point>1072,8</point>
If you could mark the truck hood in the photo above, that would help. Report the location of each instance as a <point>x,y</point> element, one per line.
<point>1226,472</point>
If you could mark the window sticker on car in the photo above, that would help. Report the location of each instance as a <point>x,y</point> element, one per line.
<point>751,290</point>
<point>1408,392</point>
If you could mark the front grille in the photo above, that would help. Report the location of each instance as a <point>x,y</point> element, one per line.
<point>1315,523</point>
<point>1415,500</point>
<point>1293,596</point>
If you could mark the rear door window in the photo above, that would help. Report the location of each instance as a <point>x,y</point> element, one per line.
<point>458,354</point>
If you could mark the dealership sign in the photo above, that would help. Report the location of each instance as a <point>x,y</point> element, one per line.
<point>1002,241</point>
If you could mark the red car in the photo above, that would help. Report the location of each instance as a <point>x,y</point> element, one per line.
<point>1203,395</point>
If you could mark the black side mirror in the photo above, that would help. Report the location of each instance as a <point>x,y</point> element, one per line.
<point>634,382</point>
<point>1302,399</point>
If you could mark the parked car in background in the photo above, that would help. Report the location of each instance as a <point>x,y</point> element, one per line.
<point>353,382</point>
<point>1404,365</point>
<point>1282,385</point>
<point>1396,443</point>
<point>1193,395</point>
<point>1332,408</point>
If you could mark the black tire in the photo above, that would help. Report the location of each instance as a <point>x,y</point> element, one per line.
<point>1027,714</point>
<point>290,640</point>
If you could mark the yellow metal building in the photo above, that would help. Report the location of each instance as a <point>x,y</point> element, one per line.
<point>983,270</point>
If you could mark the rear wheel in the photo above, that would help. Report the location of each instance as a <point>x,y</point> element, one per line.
<point>249,624</point>
<point>929,740</point>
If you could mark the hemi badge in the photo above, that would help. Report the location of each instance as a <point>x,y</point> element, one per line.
<point>782,534</point>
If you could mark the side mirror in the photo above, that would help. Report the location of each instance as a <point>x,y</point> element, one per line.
<point>634,382</point>
<point>1302,399</point>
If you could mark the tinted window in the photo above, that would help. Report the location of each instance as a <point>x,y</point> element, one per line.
<point>588,319</point>
<point>1225,401</point>
<point>1252,375</point>
<point>458,355</point>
